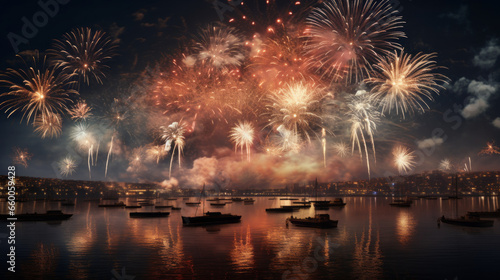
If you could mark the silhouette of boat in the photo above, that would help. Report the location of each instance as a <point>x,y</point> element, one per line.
<point>210,218</point>
<point>337,202</point>
<point>248,201</point>
<point>148,214</point>
<point>133,206</point>
<point>485,214</point>
<point>319,221</point>
<point>116,204</point>
<point>279,210</point>
<point>467,221</point>
<point>50,215</point>
<point>400,203</point>
<point>237,199</point>
<point>218,204</point>
<point>192,203</point>
<point>176,208</point>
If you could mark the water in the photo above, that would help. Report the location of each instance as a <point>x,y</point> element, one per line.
<point>373,241</point>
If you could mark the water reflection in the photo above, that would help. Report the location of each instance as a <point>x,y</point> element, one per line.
<point>242,254</point>
<point>405,226</point>
<point>43,261</point>
<point>367,256</point>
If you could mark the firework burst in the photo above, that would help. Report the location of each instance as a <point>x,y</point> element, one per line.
<point>83,52</point>
<point>341,149</point>
<point>67,166</point>
<point>80,111</point>
<point>156,152</point>
<point>85,141</point>
<point>296,107</point>
<point>490,149</point>
<point>174,133</point>
<point>403,83</point>
<point>21,156</point>
<point>445,165</point>
<point>346,37</point>
<point>48,125</point>
<point>36,89</point>
<point>363,119</point>
<point>242,136</point>
<point>404,159</point>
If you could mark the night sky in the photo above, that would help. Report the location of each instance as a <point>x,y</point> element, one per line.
<point>461,120</point>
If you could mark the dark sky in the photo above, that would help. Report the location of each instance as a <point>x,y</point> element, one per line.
<point>464,34</point>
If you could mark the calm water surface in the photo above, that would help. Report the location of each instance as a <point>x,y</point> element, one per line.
<point>373,241</point>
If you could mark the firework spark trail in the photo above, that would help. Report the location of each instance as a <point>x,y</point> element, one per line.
<point>341,149</point>
<point>363,118</point>
<point>85,141</point>
<point>402,82</point>
<point>156,152</point>
<point>174,133</point>
<point>346,37</point>
<point>242,135</point>
<point>67,166</point>
<point>48,125</point>
<point>445,165</point>
<point>21,156</point>
<point>36,89</point>
<point>490,149</point>
<point>404,159</point>
<point>80,111</point>
<point>83,52</point>
<point>323,143</point>
<point>287,141</point>
<point>109,154</point>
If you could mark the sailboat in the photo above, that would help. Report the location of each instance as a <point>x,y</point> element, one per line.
<point>456,193</point>
<point>318,221</point>
<point>467,220</point>
<point>209,218</point>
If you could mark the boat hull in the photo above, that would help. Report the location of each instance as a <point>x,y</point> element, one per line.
<point>149,214</point>
<point>36,217</point>
<point>467,222</point>
<point>279,210</point>
<point>210,219</point>
<point>314,224</point>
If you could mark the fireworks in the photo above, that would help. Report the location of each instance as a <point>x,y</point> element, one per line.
<point>286,141</point>
<point>37,89</point>
<point>341,149</point>
<point>67,166</point>
<point>156,152</point>
<point>174,133</point>
<point>242,135</point>
<point>83,52</point>
<point>80,111</point>
<point>363,118</point>
<point>346,37</point>
<point>445,165</point>
<point>21,156</point>
<point>403,82</point>
<point>404,159</point>
<point>48,125</point>
<point>296,107</point>
<point>219,46</point>
<point>490,149</point>
<point>85,141</point>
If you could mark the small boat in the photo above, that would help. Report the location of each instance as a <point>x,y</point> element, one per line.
<point>296,206</point>
<point>146,203</point>
<point>172,199</point>
<point>288,198</point>
<point>467,221</point>
<point>218,204</point>
<point>50,215</point>
<point>192,203</point>
<point>163,206</point>
<point>116,204</point>
<point>279,210</point>
<point>319,221</point>
<point>237,199</point>
<point>485,214</point>
<point>176,208</point>
<point>133,206</point>
<point>400,204</point>
<point>149,214</point>
<point>248,201</point>
<point>210,218</point>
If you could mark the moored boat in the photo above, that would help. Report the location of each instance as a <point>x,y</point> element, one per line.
<point>319,221</point>
<point>279,210</point>
<point>50,215</point>
<point>400,203</point>
<point>467,221</point>
<point>210,218</point>
<point>116,204</point>
<point>148,214</point>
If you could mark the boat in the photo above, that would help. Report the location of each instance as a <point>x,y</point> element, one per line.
<point>400,203</point>
<point>296,206</point>
<point>176,208</point>
<point>149,214</point>
<point>192,203</point>
<point>319,221</point>
<point>146,203</point>
<point>116,204</point>
<point>210,218</point>
<point>237,199</point>
<point>50,215</point>
<point>337,202</point>
<point>248,201</point>
<point>288,198</point>
<point>486,214</point>
<point>163,206</point>
<point>67,203</point>
<point>172,199</point>
<point>467,221</point>
<point>456,190</point>
<point>133,206</point>
<point>218,204</point>
<point>279,210</point>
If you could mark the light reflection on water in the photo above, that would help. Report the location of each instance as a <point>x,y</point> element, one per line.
<point>372,241</point>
